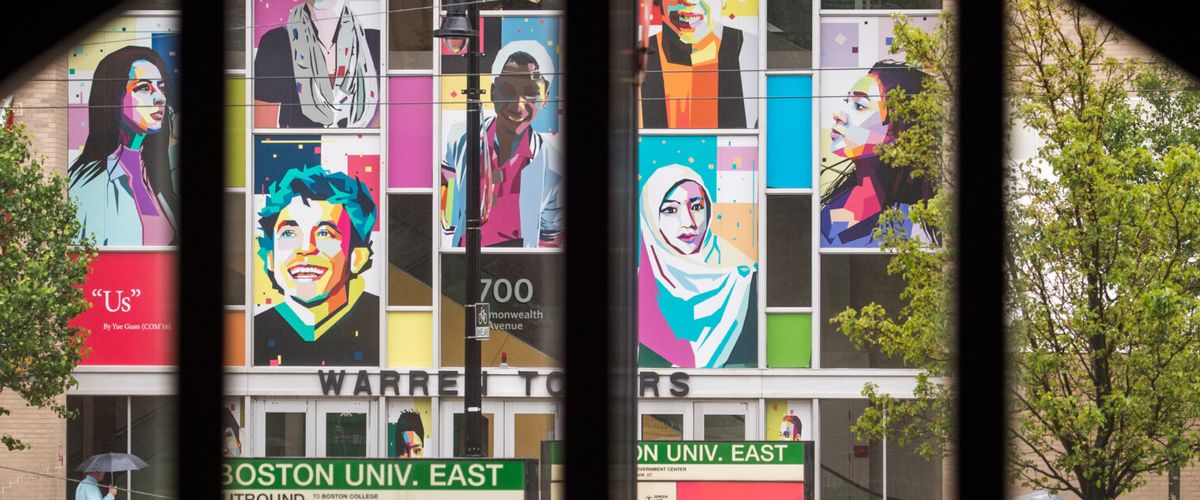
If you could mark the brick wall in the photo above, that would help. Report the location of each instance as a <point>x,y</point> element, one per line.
<point>40,428</point>
<point>42,108</point>
<point>47,436</point>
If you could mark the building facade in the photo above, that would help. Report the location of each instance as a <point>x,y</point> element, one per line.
<point>343,266</point>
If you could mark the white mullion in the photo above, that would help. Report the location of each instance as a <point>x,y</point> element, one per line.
<point>815,202</point>
<point>408,190</point>
<point>815,417</point>
<point>128,438</point>
<point>384,216</point>
<point>248,200</point>
<point>761,179</point>
<point>789,191</point>
<point>435,260</point>
<point>643,132</point>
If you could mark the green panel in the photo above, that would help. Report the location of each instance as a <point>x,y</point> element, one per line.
<point>235,131</point>
<point>789,340</point>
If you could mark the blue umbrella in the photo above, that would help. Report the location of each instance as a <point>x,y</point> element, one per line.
<point>111,462</point>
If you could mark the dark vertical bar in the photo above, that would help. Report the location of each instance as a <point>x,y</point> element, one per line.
<point>29,46</point>
<point>981,239</point>
<point>201,177</point>
<point>601,248</point>
<point>473,416</point>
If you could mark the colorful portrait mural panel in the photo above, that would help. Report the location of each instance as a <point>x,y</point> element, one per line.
<point>316,63</point>
<point>856,186</point>
<point>121,140</point>
<point>232,419</point>
<point>522,175</point>
<point>410,428</point>
<point>316,290</point>
<point>698,262</point>
<point>701,68</point>
<point>789,420</point>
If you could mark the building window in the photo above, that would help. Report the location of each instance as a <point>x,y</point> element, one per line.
<point>410,34</point>
<point>662,427</point>
<point>854,281</point>
<point>235,34</point>
<point>144,426</point>
<point>287,434</point>
<point>789,34</point>
<point>410,250</point>
<point>852,468</point>
<point>525,294</point>
<point>789,250</point>
<point>235,249</point>
<point>152,429</point>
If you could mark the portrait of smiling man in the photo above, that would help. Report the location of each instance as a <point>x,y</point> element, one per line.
<point>315,243</point>
<point>522,170</point>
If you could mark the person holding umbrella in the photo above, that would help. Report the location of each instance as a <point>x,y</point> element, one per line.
<point>89,488</point>
<point>96,466</point>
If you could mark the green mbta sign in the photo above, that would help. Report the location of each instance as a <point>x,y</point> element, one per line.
<point>319,478</point>
<point>730,453</point>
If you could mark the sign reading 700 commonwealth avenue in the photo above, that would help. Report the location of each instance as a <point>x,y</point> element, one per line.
<point>377,479</point>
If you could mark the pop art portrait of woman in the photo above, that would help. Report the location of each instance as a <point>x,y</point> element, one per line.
<point>865,186</point>
<point>696,288</point>
<point>124,178</point>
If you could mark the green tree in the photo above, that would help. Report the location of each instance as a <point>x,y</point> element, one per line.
<point>42,268</point>
<point>1102,264</point>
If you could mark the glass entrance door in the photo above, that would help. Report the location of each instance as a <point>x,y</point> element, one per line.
<point>345,429</point>
<point>528,424</point>
<point>288,429</point>
<point>300,428</point>
<point>726,421</point>
<point>664,420</point>
<point>452,419</point>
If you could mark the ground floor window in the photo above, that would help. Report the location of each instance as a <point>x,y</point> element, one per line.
<point>853,469</point>
<point>142,425</point>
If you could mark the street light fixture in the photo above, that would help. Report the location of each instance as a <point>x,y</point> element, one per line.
<point>457,33</point>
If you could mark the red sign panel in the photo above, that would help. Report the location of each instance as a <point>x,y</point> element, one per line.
<point>132,319</point>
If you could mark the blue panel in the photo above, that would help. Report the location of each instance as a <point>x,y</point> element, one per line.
<point>276,154</point>
<point>789,131</point>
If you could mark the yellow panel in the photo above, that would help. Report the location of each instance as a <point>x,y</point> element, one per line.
<point>740,8</point>
<point>410,339</point>
<point>235,131</point>
<point>451,96</point>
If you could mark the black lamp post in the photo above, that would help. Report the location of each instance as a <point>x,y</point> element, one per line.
<point>459,35</point>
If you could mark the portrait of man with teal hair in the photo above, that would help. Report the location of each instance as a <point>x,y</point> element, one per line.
<point>314,242</point>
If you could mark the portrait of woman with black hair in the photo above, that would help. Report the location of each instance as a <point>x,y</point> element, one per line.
<point>124,180</point>
<point>865,186</point>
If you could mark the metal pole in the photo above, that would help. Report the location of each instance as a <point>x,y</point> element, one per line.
<point>473,416</point>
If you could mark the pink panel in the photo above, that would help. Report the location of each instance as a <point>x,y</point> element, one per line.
<point>410,132</point>
<point>132,318</point>
<point>722,491</point>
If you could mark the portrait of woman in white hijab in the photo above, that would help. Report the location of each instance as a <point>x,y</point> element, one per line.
<point>695,289</point>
